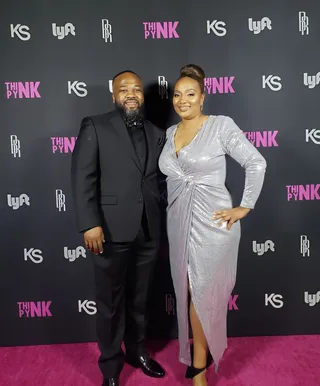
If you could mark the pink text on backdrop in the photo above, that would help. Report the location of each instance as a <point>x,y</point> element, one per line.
<point>303,192</point>
<point>221,85</point>
<point>20,90</point>
<point>161,30</point>
<point>34,309</point>
<point>233,303</point>
<point>63,144</point>
<point>262,138</point>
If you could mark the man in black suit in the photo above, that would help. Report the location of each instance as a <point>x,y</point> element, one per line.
<point>116,193</point>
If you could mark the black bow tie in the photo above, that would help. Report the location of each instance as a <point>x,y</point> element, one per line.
<point>137,124</point>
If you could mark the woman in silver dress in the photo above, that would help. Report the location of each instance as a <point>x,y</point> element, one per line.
<point>203,227</point>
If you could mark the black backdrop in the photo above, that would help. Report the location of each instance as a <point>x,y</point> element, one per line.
<point>262,64</point>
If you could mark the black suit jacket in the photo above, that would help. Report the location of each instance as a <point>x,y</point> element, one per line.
<point>108,183</point>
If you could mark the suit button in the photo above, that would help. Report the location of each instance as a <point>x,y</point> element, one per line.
<point>140,201</point>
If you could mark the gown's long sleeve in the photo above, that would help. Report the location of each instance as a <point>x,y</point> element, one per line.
<point>238,147</point>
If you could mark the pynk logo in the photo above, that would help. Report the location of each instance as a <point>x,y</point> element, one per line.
<point>257,26</point>
<point>272,81</point>
<point>312,300</point>
<point>63,144</point>
<point>262,139</point>
<point>21,31</point>
<point>221,85</point>
<point>311,81</point>
<point>73,254</point>
<point>304,246</point>
<point>163,87</point>
<point>78,88</point>
<point>20,90</point>
<point>15,146</point>
<point>217,27</point>
<point>106,31</point>
<point>60,200</point>
<point>35,255</point>
<point>274,299</point>
<point>303,192</point>
<point>161,30</point>
<point>62,32</point>
<point>303,23</point>
<point>170,304</point>
<point>261,249</point>
<point>16,202</point>
<point>313,135</point>
<point>34,309</point>
<point>87,306</point>
<point>233,303</point>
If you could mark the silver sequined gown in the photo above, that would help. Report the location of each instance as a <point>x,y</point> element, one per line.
<point>199,249</point>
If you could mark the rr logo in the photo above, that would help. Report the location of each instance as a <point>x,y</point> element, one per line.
<point>79,88</point>
<point>257,26</point>
<point>163,87</point>
<point>60,200</point>
<point>15,146</point>
<point>89,307</point>
<point>35,255</point>
<point>303,23</point>
<point>274,300</point>
<point>304,246</point>
<point>73,254</point>
<point>62,32</point>
<point>272,81</point>
<point>261,249</point>
<point>106,31</point>
<point>217,27</point>
<point>16,202</point>
<point>21,31</point>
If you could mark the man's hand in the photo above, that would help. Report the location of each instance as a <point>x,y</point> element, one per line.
<point>94,239</point>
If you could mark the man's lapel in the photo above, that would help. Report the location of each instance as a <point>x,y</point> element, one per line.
<point>121,129</point>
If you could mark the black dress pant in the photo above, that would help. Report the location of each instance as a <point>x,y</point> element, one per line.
<point>123,274</point>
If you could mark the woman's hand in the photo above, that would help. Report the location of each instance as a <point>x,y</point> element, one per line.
<point>230,215</point>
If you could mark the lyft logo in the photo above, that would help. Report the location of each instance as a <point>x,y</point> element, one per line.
<point>257,26</point>
<point>15,146</point>
<point>73,254</point>
<point>274,300</point>
<point>89,307</point>
<point>304,246</point>
<point>312,300</point>
<point>221,85</point>
<point>106,31</point>
<point>232,305</point>
<point>303,192</point>
<point>217,27</point>
<point>272,81</point>
<point>16,202</point>
<point>35,255</point>
<point>161,30</point>
<point>262,248</point>
<point>60,200</point>
<point>262,139</point>
<point>20,90</point>
<point>311,81</point>
<point>78,88</point>
<point>63,144</point>
<point>34,309</point>
<point>314,135</point>
<point>21,31</point>
<point>303,23</point>
<point>170,304</point>
<point>62,32</point>
<point>163,87</point>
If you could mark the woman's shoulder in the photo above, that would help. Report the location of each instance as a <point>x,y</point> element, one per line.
<point>170,130</point>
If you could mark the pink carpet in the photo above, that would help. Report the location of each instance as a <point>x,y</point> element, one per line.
<point>261,361</point>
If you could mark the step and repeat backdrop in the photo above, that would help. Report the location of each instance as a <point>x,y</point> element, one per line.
<point>262,65</point>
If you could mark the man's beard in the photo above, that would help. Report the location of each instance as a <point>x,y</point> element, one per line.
<point>131,117</point>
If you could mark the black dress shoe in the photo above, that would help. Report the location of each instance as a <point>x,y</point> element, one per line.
<point>111,382</point>
<point>148,365</point>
